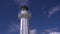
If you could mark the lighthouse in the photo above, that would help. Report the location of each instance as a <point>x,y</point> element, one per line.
<point>24,15</point>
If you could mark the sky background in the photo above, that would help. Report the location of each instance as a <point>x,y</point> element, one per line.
<point>45,16</point>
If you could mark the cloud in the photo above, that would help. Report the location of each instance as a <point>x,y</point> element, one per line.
<point>15,28</point>
<point>50,30</point>
<point>54,33</point>
<point>53,10</point>
<point>34,31</point>
<point>22,2</point>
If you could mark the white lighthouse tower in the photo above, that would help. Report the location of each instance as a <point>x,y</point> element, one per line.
<point>24,16</point>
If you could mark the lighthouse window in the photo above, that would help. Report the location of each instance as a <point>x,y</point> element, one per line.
<point>23,11</point>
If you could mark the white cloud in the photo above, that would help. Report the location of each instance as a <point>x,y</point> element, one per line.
<point>22,2</point>
<point>43,33</point>
<point>34,31</point>
<point>50,30</point>
<point>54,33</point>
<point>15,28</point>
<point>53,10</point>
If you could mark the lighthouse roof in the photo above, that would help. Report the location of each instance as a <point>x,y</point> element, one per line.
<point>24,7</point>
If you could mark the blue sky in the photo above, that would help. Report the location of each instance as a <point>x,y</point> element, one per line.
<point>45,16</point>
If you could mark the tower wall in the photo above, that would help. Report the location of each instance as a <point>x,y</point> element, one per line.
<point>24,27</point>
